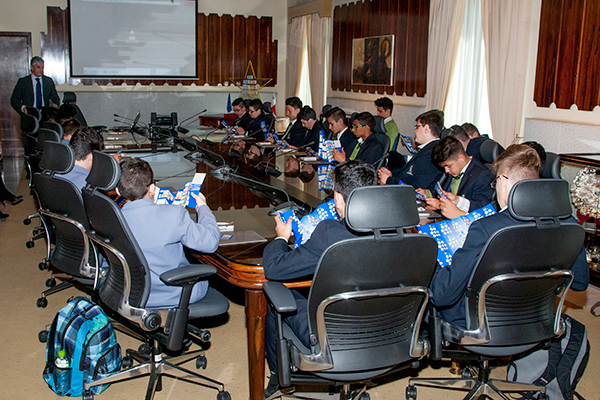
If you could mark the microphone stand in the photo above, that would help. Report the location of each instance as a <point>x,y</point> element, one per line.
<point>181,129</point>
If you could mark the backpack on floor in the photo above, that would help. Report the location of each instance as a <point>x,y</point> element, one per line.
<point>84,332</point>
<point>558,368</point>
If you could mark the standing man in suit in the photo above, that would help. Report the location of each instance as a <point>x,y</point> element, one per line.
<point>34,90</point>
<point>449,284</point>
<point>368,148</point>
<point>467,181</point>
<point>293,106</point>
<point>385,106</point>
<point>163,230</point>
<point>338,125</point>
<point>281,263</point>
<point>420,171</point>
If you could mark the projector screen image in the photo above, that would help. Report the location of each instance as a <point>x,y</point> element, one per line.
<point>133,38</point>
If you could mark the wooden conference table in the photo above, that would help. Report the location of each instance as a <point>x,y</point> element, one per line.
<point>240,264</point>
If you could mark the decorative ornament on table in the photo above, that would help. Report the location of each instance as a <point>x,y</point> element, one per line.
<point>585,192</point>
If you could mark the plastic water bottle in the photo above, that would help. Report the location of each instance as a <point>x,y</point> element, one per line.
<point>62,374</point>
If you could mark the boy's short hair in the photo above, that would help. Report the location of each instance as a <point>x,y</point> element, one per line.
<point>307,113</point>
<point>434,119</point>
<point>448,148</point>
<point>385,102</point>
<point>70,125</point>
<point>518,162</point>
<point>470,129</point>
<point>338,115</point>
<point>460,133</point>
<point>353,174</point>
<point>366,118</point>
<point>239,102</point>
<point>136,178</point>
<point>84,141</point>
<point>294,102</point>
<point>256,104</point>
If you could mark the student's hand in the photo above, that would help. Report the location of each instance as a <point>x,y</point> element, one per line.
<point>383,175</point>
<point>433,204</point>
<point>200,199</point>
<point>452,197</point>
<point>269,137</point>
<point>281,229</point>
<point>420,191</point>
<point>449,209</point>
<point>239,130</point>
<point>339,156</point>
<point>118,157</point>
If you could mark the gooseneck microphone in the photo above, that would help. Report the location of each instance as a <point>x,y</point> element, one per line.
<point>181,129</point>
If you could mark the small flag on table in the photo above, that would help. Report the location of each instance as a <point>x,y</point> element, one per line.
<point>229,108</point>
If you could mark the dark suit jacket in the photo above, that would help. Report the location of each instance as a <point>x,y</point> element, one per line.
<point>303,137</point>
<point>474,146</point>
<point>295,134</point>
<point>348,141</point>
<point>23,94</point>
<point>255,130</point>
<point>243,121</point>
<point>449,284</point>
<point>370,151</point>
<point>475,185</point>
<point>419,172</point>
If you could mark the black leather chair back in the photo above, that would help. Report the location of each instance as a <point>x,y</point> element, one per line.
<point>108,222</point>
<point>45,135</point>
<point>552,166</point>
<point>54,126</point>
<point>489,151</point>
<point>59,196</point>
<point>34,112</point>
<point>369,335</point>
<point>520,310</point>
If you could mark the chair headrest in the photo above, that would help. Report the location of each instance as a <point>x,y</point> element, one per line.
<point>381,207</point>
<point>45,135</point>
<point>539,198</point>
<point>54,126</point>
<point>30,124</point>
<point>57,157</point>
<point>379,124</point>
<point>105,172</point>
<point>490,150</point>
<point>267,107</point>
<point>69,97</point>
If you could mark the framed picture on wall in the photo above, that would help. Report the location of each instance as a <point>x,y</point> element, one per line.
<point>373,60</point>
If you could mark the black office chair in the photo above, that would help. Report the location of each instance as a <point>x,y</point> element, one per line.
<point>367,299</point>
<point>511,296</point>
<point>489,151</point>
<point>34,112</point>
<point>54,126</point>
<point>125,289</point>
<point>71,98</point>
<point>269,115</point>
<point>61,206</point>
<point>380,134</point>
<point>552,166</point>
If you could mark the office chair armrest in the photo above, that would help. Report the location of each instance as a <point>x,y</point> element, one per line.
<point>280,296</point>
<point>187,275</point>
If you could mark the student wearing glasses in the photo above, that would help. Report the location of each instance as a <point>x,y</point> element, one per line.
<point>419,171</point>
<point>243,118</point>
<point>367,148</point>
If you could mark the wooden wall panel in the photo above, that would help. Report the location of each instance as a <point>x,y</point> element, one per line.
<point>225,45</point>
<point>408,20</point>
<point>568,60</point>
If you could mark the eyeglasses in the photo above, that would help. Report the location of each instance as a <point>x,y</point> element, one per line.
<point>153,182</point>
<point>356,126</point>
<point>417,126</point>
<point>237,109</point>
<point>494,183</point>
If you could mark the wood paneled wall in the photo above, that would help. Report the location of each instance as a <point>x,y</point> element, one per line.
<point>225,45</point>
<point>408,20</point>
<point>568,59</point>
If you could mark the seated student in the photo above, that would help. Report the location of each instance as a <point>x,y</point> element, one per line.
<point>254,129</point>
<point>163,230</point>
<point>243,118</point>
<point>467,181</point>
<point>419,171</point>
<point>83,142</point>
<point>367,147</point>
<point>517,163</point>
<point>69,125</point>
<point>338,125</point>
<point>312,127</point>
<point>385,106</point>
<point>541,152</point>
<point>281,263</point>
<point>460,133</point>
<point>475,140</point>
<point>293,106</point>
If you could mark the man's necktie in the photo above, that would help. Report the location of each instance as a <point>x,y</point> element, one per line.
<point>38,94</point>
<point>355,151</point>
<point>455,184</point>
<point>287,131</point>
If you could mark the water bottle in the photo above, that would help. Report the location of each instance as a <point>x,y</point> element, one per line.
<point>62,374</point>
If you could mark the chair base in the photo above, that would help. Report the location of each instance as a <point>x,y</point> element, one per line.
<point>477,387</point>
<point>344,394</point>
<point>156,366</point>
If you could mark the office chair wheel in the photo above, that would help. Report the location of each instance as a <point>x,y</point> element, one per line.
<point>43,336</point>
<point>223,396</point>
<point>30,244</point>
<point>201,362</point>
<point>26,221</point>
<point>43,266</point>
<point>145,349</point>
<point>50,282</point>
<point>87,395</point>
<point>467,373</point>
<point>365,396</point>
<point>411,393</point>
<point>35,232</point>
<point>127,362</point>
<point>543,396</point>
<point>42,302</point>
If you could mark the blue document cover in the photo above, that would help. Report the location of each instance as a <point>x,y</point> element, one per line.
<point>183,196</point>
<point>303,228</point>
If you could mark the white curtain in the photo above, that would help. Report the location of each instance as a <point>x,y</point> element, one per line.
<point>506,25</point>
<point>295,47</point>
<point>467,99</point>
<point>317,45</point>
<point>445,25</point>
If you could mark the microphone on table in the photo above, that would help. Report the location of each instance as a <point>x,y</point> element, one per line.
<point>181,129</point>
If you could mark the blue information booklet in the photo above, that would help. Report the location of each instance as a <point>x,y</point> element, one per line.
<point>183,196</point>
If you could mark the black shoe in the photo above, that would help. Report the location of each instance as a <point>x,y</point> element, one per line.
<point>273,386</point>
<point>3,216</point>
